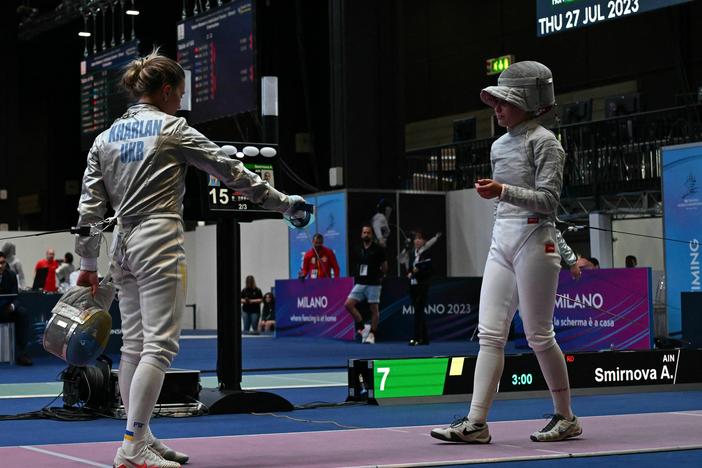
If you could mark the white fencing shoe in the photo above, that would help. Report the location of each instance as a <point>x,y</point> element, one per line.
<point>165,451</point>
<point>558,428</point>
<point>145,458</point>
<point>462,430</point>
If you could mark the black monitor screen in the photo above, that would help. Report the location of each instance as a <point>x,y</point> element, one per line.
<point>217,47</point>
<point>554,16</point>
<point>102,98</point>
<point>575,112</point>
<point>622,105</point>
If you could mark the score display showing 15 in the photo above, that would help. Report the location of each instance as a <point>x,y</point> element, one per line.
<point>522,379</point>
<point>220,196</point>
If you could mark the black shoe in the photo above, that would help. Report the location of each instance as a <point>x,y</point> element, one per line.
<point>23,360</point>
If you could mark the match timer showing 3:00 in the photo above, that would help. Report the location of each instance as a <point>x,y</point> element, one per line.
<point>427,377</point>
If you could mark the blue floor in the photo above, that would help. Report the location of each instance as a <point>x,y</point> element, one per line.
<point>261,353</point>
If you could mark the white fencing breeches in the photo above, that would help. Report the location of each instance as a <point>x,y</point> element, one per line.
<point>522,268</point>
<point>151,274</point>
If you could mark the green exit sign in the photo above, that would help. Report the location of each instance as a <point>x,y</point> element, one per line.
<point>495,66</point>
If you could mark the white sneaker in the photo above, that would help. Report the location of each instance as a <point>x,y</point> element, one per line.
<point>558,428</point>
<point>145,458</point>
<point>365,332</point>
<point>165,451</point>
<point>370,339</point>
<point>462,430</point>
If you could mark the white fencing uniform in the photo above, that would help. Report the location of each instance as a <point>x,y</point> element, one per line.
<point>524,258</point>
<point>523,262</point>
<point>138,167</point>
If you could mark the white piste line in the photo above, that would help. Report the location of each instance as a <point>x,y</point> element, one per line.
<point>49,395</point>
<point>551,451</point>
<point>528,457</point>
<point>305,379</point>
<point>62,455</point>
<point>275,387</point>
<point>687,414</point>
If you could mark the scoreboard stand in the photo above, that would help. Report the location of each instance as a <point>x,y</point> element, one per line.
<point>449,379</point>
<point>223,205</point>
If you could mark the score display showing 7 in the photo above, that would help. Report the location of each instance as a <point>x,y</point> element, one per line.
<point>385,371</point>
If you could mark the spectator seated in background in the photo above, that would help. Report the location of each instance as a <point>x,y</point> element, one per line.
<point>63,273</point>
<point>267,322</point>
<point>10,311</point>
<point>630,261</point>
<point>588,263</point>
<point>319,261</point>
<point>51,266</point>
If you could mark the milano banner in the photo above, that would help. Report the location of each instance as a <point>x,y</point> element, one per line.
<point>682,221</point>
<point>313,307</point>
<point>606,309</point>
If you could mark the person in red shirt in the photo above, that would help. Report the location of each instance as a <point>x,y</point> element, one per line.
<point>319,261</point>
<point>51,264</point>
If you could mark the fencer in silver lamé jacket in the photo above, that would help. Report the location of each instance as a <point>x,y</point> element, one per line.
<point>138,166</point>
<point>528,160</point>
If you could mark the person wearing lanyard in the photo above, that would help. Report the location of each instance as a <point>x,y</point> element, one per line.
<point>372,266</point>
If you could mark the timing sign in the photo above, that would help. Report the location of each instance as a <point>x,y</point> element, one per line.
<point>554,16</point>
<point>389,379</point>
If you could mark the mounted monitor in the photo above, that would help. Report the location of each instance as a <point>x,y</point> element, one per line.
<point>623,104</point>
<point>208,199</point>
<point>576,112</point>
<point>464,129</point>
<point>102,98</point>
<point>554,16</point>
<point>217,47</point>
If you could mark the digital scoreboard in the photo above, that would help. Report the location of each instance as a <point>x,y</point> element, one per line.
<point>102,98</point>
<point>219,201</point>
<point>217,47</point>
<point>388,379</point>
<point>553,16</point>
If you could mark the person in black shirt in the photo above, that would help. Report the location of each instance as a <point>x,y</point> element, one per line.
<point>370,269</point>
<point>10,311</point>
<point>267,322</point>
<point>419,273</point>
<point>251,298</point>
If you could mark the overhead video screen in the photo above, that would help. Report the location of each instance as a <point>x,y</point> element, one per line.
<point>102,98</point>
<point>553,16</point>
<point>217,47</point>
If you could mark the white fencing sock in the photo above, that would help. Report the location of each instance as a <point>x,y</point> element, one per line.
<point>488,370</point>
<point>553,366</point>
<point>126,373</point>
<point>127,367</point>
<point>143,394</point>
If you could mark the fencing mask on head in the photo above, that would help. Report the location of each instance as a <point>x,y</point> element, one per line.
<point>527,85</point>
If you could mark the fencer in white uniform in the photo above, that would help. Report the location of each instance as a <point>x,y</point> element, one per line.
<point>138,168</point>
<point>523,262</point>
